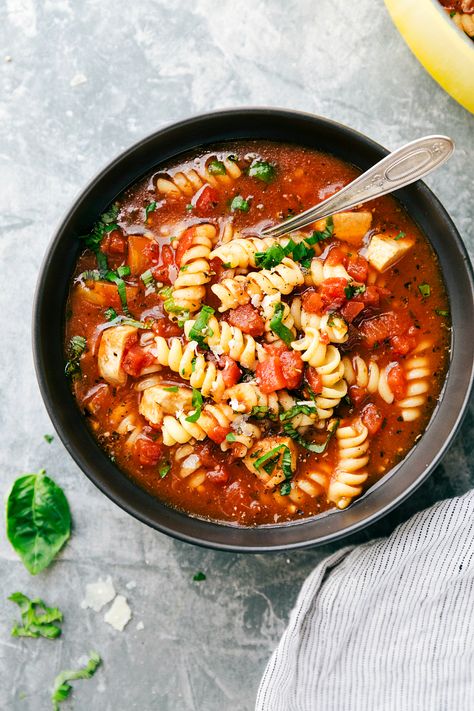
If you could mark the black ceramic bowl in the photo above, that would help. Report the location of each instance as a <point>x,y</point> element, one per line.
<point>165,145</point>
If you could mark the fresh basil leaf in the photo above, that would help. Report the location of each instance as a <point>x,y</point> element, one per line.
<point>164,469</point>
<point>286,464</point>
<point>75,348</point>
<point>262,170</point>
<point>106,223</point>
<point>37,618</point>
<point>123,271</point>
<point>424,289</point>
<point>126,321</point>
<point>199,576</point>
<point>121,288</point>
<point>239,203</point>
<point>285,488</point>
<point>48,438</point>
<point>199,330</point>
<point>273,256</point>
<point>318,236</point>
<point>278,327</point>
<point>110,314</point>
<point>216,167</point>
<point>151,207</point>
<point>311,446</point>
<point>230,437</point>
<point>298,410</point>
<point>400,235</point>
<point>197,405</point>
<point>38,520</point>
<point>268,455</point>
<point>261,412</point>
<point>62,687</point>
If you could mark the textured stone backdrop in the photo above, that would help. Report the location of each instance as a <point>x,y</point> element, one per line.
<point>80,81</point>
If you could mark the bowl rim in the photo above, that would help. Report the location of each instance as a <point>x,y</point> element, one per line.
<point>142,513</point>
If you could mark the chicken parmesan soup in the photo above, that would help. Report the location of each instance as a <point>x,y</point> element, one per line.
<point>254,379</point>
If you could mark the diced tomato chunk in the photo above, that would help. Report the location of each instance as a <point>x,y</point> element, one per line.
<point>151,252</point>
<point>217,268</point>
<point>163,271</point>
<point>357,394</point>
<point>351,310</point>
<point>270,376</point>
<point>332,293</point>
<point>114,243</point>
<point>184,243</point>
<point>276,348</point>
<point>372,418</point>
<point>135,359</point>
<point>218,433</point>
<point>206,200</point>
<point>314,380</point>
<point>220,475</point>
<point>336,256</point>
<point>231,372</point>
<point>387,325</point>
<point>358,268</point>
<point>402,344</point>
<point>166,328</point>
<point>248,319</point>
<point>207,453</point>
<point>292,367</point>
<point>396,380</point>
<point>312,302</point>
<point>148,452</point>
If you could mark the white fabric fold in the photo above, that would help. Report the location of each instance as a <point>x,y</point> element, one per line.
<point>385,626</point>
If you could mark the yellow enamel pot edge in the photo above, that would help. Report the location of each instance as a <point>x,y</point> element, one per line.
<point>441,47</point>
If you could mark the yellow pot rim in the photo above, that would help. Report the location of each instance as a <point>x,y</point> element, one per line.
<point>444,50</point>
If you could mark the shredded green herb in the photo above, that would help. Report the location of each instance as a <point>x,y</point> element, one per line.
<point>62,687</point>
<point>200,329</point>
<point>400,235</point>
<point>239,203</point>
<point>441,312</point>
<point>36,617</point>
<point>48,438</point>
<point>278,327</point>
<point>126,321</point>
<point>311,446</point>
<point>352,290</point>
<point>261,412</point>
<point>285,488</point>
<point>76,347</point>
<point>172,389</point>
<point>199,576</point>
<point>151,207</point>
<point>230,437</point>
<point>216,167</point>
<point>110,314</point>
<point>318,236</point>
<point>148,279</point>
<point>121,288</point>
<point>105,223</point>
<point>298,410</point>
<point>424,289</point>
<point>89,275</point>
<point>197,405</point>
<point>164,469</point>
<point>262,170</point>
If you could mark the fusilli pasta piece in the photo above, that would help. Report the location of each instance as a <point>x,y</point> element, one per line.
<point>244,434</point>
<point>350,474</point>
<point>231,292</point>
<point>268,312</point>
<point>312,483</point>
<point>321,270</point>
<point>418,372</point>
<point>189,289</point>
<point>229,340</point>
<point>331,324</point>
<point>178,430</point>
<point>243,397</point>
<point>465,22</point>
<point>189,181</point>
<point>368,376</point>
<point>240,252</point>
<point>191,469</point>
<point>281,279</point>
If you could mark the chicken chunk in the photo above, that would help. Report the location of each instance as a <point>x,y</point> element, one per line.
<point>112,348</point>
<point>384,250</point>
<point>264,446</point>
<point>348,226</point>
<point>158,401</point>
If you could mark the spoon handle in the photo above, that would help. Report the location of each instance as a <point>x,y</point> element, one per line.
<point>402,167</point>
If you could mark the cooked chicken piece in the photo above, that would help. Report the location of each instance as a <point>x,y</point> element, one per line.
<point>158,401</point>
<point>274,475</point>
<point>112,347</point>
<point>385,250</point>
<point>348,226</point>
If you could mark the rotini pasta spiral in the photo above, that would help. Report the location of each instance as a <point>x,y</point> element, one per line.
<point>312,347</point>
<point>231,292</point>
<point>190,467</point>
<point>331,324</point>
<point>229,340</point>
<point>245,434</point>
<point>281,279</point>
<point>368,376</point>
<point>268,312</point>
<point>321,270</point>
<point>334,387</point>
<point>187,182</point>
<point>188,289</point>
<point>178,430</point>
<point>417,370</point>
<point>243,397</point>
<point>240,252</point>
<point>312,483</point>
<point>465,22</point>
<point>190,365</point>
<point>350,474</point>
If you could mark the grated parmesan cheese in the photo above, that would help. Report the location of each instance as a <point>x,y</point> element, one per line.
<point>119,613</point>
<point>98,594</point>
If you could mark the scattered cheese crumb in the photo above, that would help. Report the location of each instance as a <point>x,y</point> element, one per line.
<point>8,58</point>
<point>131,585</point>
<point>140,626</point>
<point>98,594</point>
<point>78,79</point>
<point>119,613</point>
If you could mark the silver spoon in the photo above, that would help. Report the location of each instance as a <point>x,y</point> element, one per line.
<point>402,167</point>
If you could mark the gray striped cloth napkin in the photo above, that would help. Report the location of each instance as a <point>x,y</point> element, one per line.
<point>385,626</point>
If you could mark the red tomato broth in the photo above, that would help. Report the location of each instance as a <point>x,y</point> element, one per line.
<point>303,177</point>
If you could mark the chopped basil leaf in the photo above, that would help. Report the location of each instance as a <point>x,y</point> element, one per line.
<point>123,271</point>
<point>285,488</point>
<point>268,455</point>
<point>239,203</point>
<point>298,410</point>
<point>424,289</point>
<point>172,389</point>
<point>164,469</point>
<point>48,438</point>
<point>62,687</point>
<point>90,275</point>
<point>278,327</point>
<point>400,235</point>
<point>286,463</point>
<point>197,405</point>
<point>311,446</point>
<point>106,223</point>
<point>441,312</point>
<point>261,412</point>
<point>36,617</point>
<point>452,13</point>
<point>230,437</point>
<point>318,236</point>
<point>110,314</point>
<point>125,321</point>
<point>76,347</point>
<point>262,170</point>
<point>199,576</point>
<point>352,290</point>
<point>148,279</point>
<point>200,329</point>
<point>216,167</point>
<point>151,207</point>
<point>189,207</point>
<point>121,288</point>
<point>273,256</point>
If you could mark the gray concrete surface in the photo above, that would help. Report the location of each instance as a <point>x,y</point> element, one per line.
<point>84,80</point>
